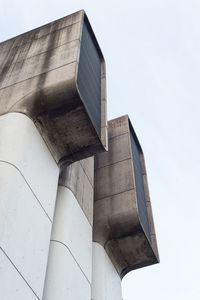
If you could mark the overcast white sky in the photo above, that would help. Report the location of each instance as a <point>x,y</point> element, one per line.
<point>152,52</point>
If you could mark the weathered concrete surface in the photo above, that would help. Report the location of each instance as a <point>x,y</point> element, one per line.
<point>38,77</point>
<point>79,178</point>
<point>117,225</point>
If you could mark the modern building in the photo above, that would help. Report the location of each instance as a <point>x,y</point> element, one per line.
<point>75,211</point>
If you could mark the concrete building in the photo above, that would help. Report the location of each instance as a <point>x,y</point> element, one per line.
<point>75,211</point>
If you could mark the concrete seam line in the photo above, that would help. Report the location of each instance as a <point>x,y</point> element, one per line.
<point>15,83</point>
<point>73,258</point>
<point>86,175</point>
<point>19,273</point>
<point>6,162</point>
<point>42,52</point>
<point>64,186</point>
<point>50,49</point>
<point>116,136</point>
<point>110,196</point>
<point>129,158</point>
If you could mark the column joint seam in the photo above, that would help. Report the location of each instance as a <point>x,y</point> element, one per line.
<point>6,162</point>
<point>56,241</point>
<point>19,273</point>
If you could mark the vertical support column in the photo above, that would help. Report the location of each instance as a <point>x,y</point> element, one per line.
<point>28,185</point>
<point>69,268</point>
<point>106,283</point>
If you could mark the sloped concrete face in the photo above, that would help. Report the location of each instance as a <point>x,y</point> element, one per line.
<point>79,178</point>
<point>123,222</point>
<point>42,75</point>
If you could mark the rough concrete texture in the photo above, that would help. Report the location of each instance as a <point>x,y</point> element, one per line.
<point>79,178</point>
<point>117,225</point>
<point>38,77</point>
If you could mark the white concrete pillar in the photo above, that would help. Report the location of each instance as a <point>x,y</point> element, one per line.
<point>28,185</point>
<point>70,258</point>
<point>106,283</point>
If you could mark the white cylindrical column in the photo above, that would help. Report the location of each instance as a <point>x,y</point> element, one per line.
<point>69,271</point>
<point>106,283</point>
<point>28,185</point>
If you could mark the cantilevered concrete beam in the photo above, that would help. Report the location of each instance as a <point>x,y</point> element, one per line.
<point>55,75</point>
<point>123,222</point>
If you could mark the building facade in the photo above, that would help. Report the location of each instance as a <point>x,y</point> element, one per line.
<point>75,211</point>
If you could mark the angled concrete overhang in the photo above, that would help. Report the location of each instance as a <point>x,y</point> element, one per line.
<point>55,74</point>
<point>123,221</point>
<point>79,178</point>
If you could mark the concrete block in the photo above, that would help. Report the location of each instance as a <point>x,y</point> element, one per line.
<point>22,146</point>
<point>12,285</point>
<point>114,179</point>
<point>118,126</point>
<point>137,251</point>
<point>123,222</point>
<point>26,244</point>
<point>45,75</point>
<point>36,46</point>
<point>122,143</point>
<point>22,97</point>
<point>64,279</point>
<point>35,65</point>
<point>118,216</point>
<point>71,228</point>
<point>42,31</point>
